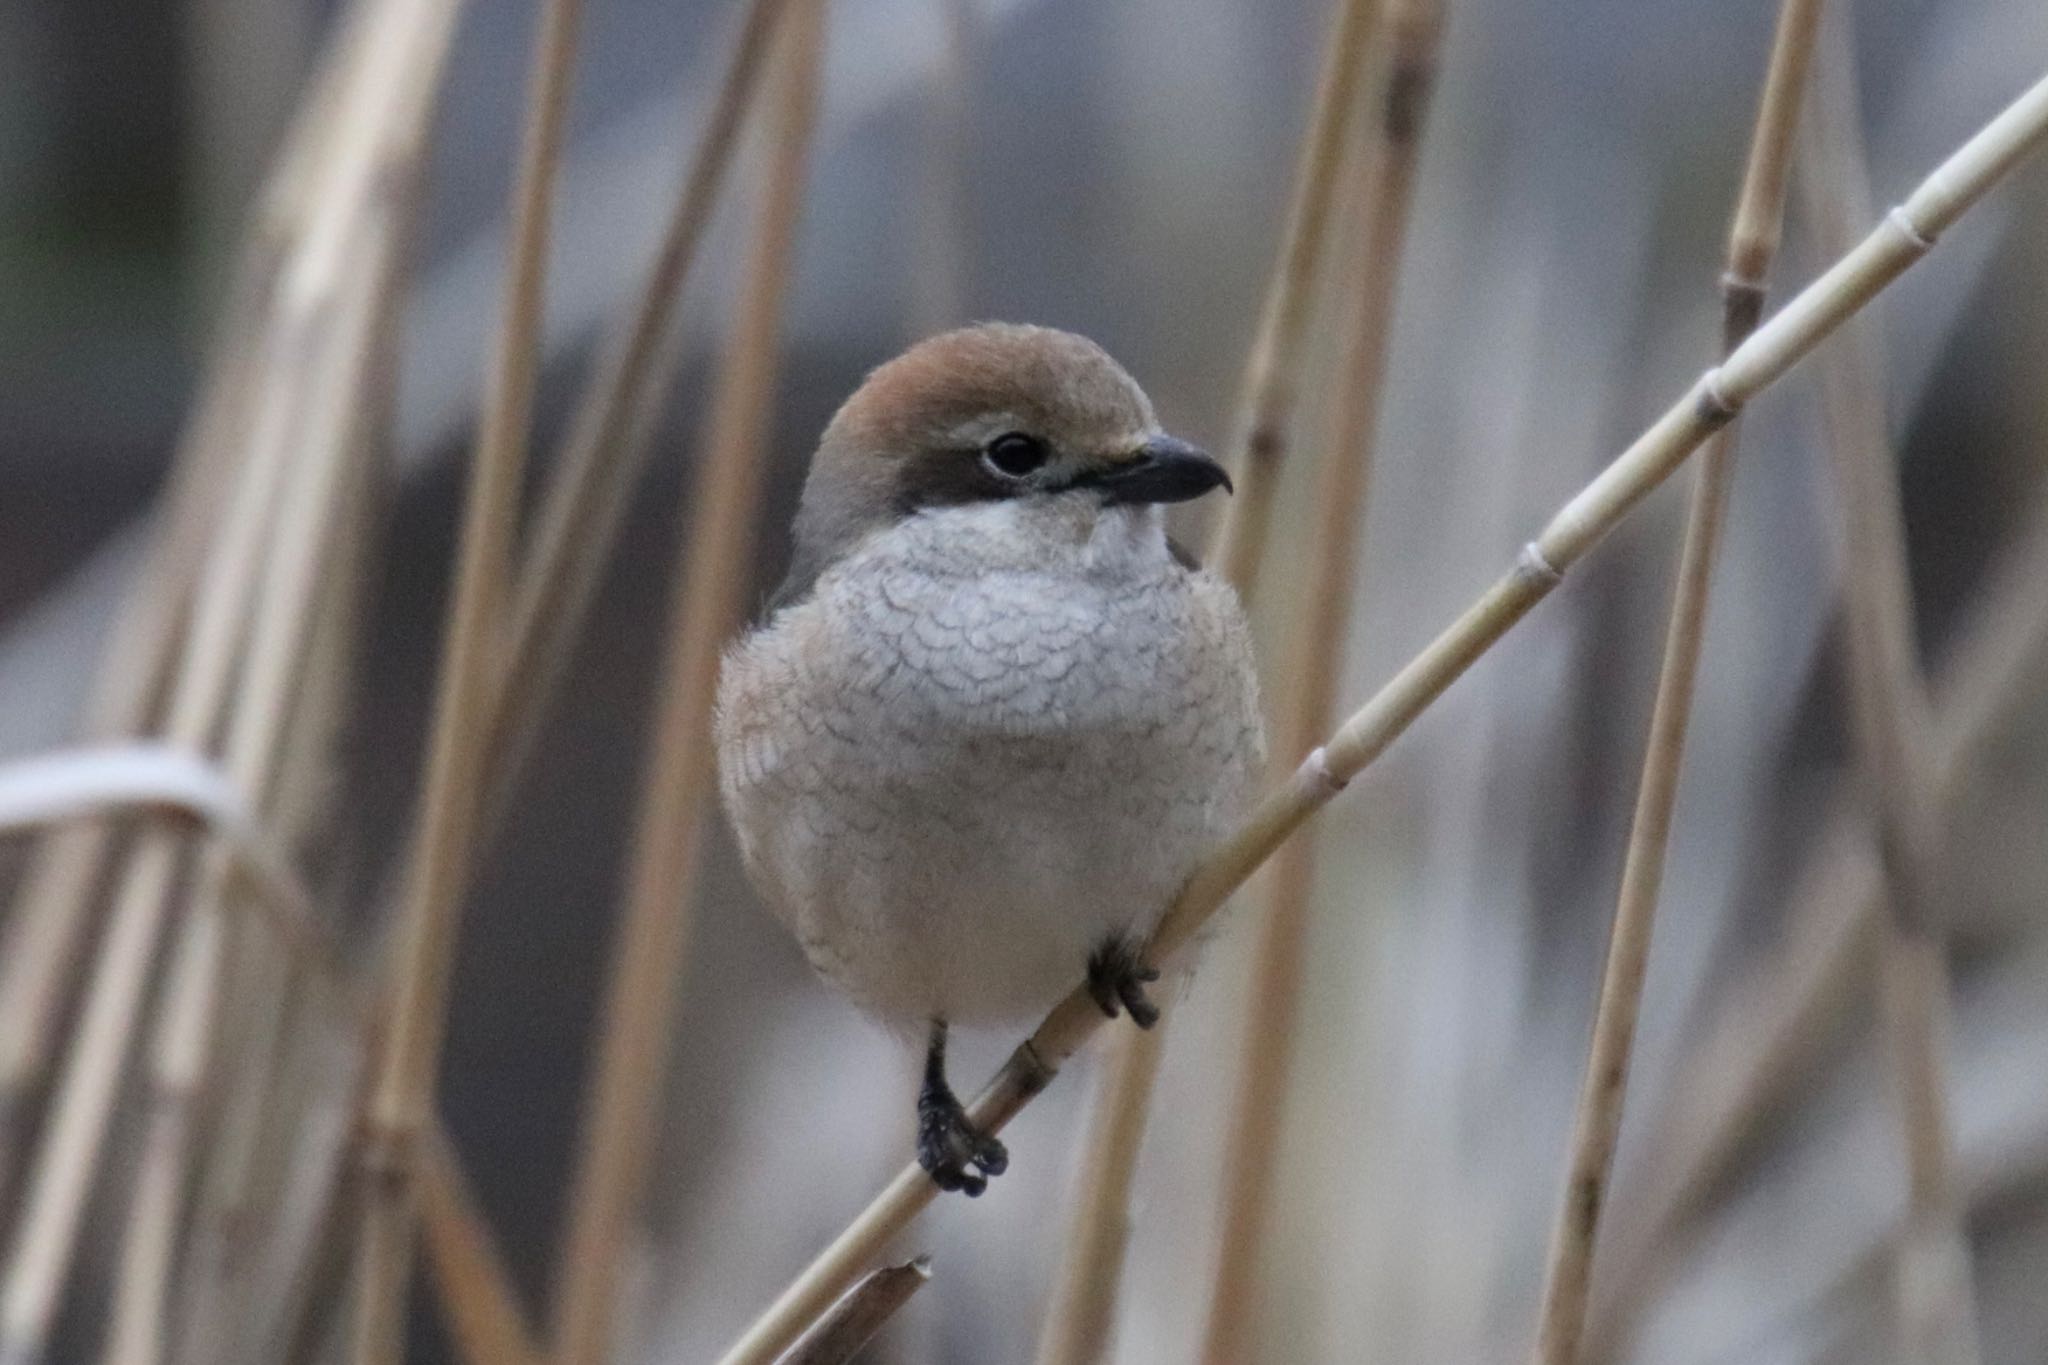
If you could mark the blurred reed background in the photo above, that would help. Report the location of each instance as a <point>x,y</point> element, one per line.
<point>399,413</point>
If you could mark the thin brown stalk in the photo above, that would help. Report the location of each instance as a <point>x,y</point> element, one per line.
<point>1266,408</point>
<point>1083,1301</point>
<point>860,1313</point>
<point>1891,726</point>
<point>1773,1028</point>
<point>401,1097</point>
<point>1413,33</point>
<point>476,1291</point>
<point>1752,244</point>
<point>1905,236</point>
<point>706,605</point>
<point>610,437</point>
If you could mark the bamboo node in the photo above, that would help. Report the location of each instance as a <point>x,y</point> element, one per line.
<point>1903,222</point>
<point>1533,564</point>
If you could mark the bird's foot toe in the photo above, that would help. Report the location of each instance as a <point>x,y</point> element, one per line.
<point>1117,976</point>
<point>956,1154</point>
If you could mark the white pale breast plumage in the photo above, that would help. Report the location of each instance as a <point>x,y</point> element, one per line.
<point>992,737</point>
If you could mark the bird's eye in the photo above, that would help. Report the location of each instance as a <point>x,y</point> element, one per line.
<point>1014,454</point>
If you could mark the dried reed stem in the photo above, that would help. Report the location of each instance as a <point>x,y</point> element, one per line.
<point>1891,726</point>
<point>475,1288</point>
<point>1770,1031</point>
<point>67,1157</point>
<point>303,546</point>
<point>1905,235</point>
<point>1752,244</point>
<point>1083,1301</point>
<point>860,1313</point>
<point>610,437</point>
<point>706,605</point>
<point>401,1096</point>
<point>1413,33</point>
<point>1266,407</point>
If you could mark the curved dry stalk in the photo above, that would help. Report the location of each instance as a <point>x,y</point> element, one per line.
<point>55,911</point>
<point>860,1313</point>
<point>1905,235</point>
<point>610,437</point>
<point>1266,409</point>
<point>1413,33</point>
<point>1890,725</point>
<point>1752,244</point>
<point>67,1157</point>
<point>401,1096</point>
<point>706,606</point>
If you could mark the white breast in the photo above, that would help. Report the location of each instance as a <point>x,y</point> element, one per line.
<point>994,736</point>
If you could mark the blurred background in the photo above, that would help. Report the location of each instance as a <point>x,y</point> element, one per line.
<point>1124,172</point>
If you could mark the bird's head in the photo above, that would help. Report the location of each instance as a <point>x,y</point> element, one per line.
<point>990,413</point>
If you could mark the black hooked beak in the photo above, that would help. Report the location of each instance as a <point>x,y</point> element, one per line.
<point>1162,470</point>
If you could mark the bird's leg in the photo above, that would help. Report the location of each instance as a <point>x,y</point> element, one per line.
<point>948,1143</point>
<point>1116,973</point>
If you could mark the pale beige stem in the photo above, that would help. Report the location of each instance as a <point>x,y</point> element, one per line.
<point>401,1097</point>
<point>1266,408</point>
<point>938,282</point>
<point>1413,33</point>
<point>1905,236</point>
<point>1891,727</point>
<point>706,605</point>
<point>860,1313</point>
<point>1752,244</point>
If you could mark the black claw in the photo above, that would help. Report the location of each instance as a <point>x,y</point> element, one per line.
<point>949,1146</point>
<point>1118,976</point>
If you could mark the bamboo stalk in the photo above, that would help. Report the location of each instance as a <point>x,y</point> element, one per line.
<point>706,605</point>
<point>1266,408</point>
<point>1083,1301</point>
<point>1413,33</point>
<point>610,438</point>
<point>860,1313</point>
<point>401,1096</point>
<point>1752,245</point>
<point>1769,1032</point>
<point>1890,727</point>
<point>1905,235</point>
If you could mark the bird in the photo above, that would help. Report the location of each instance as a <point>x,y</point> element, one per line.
<point>993,717</point>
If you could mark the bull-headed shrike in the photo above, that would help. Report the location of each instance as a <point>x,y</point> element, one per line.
<point>993,717</point>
